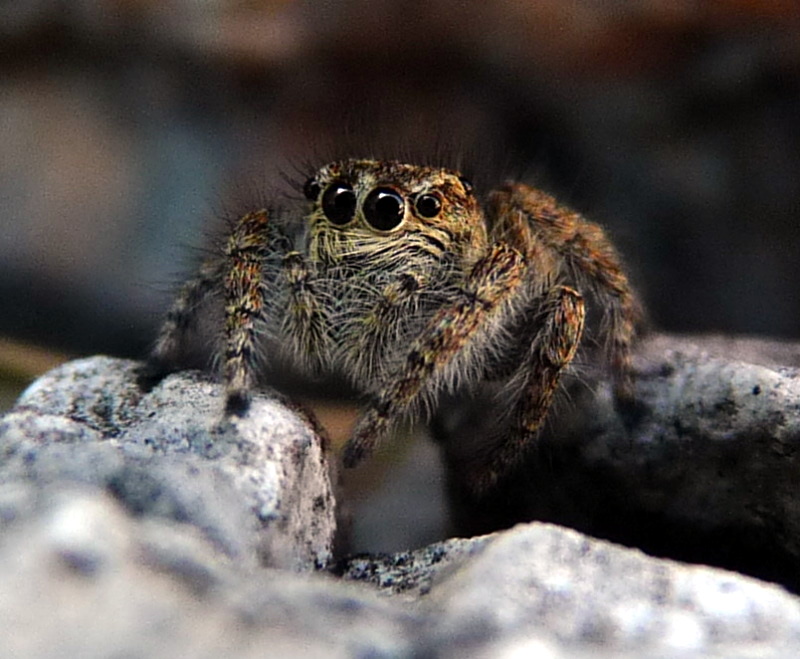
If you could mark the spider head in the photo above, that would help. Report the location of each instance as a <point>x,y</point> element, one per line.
<point>358,207</point>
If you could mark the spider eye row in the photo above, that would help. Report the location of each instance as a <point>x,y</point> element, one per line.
<point>384,208</point>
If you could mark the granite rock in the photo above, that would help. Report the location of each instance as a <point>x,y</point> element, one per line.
<point>146,527</point>
<point>257,487</point>
<point>82,577</point>
<point>704,468</point>
<point>113,584</point>
<point>553,592</point>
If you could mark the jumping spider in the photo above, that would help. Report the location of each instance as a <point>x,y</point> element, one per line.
<point>403,283</point>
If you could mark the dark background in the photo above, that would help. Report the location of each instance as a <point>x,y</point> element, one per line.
<point>126,126</point>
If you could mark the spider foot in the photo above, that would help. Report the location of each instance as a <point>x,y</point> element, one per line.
<point>150,374</point>
<point>365,437</point>
<point>237,402</point>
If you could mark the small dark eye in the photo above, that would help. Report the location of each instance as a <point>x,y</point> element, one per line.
<point>428,205</point>
<point>384,209</point>
<point>339,203</point>
<point>311,189</point>
<point>466,184</point>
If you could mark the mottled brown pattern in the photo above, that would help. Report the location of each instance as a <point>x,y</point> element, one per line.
<point>529,219</point>
<point>410,300</point>
<point>243,305</point>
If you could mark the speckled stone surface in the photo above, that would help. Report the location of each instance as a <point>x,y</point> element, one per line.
<point>257,486</point>
<point>704,469</point>
<point>145,526</point>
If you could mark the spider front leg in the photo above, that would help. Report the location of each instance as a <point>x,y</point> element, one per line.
<point>243,287</point>
<point>533,386</point>
<point>270,299</point>
<point>433,359</point>
<point>237,276</point>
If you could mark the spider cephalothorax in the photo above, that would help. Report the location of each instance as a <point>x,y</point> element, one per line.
<point>401,281</point>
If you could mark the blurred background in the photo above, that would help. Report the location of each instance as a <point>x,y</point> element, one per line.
<point>126,126</point>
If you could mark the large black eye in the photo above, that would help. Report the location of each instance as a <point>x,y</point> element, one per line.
<point>311,189</point>
<point>384,209</point>
<point>339,203</point>
<point>428,205</point>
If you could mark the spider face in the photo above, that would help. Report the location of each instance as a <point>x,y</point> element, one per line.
<point>402,282</point>
<point>358,204</point>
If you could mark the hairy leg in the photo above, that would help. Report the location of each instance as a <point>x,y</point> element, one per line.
<point>533,385</point>
<point>492,281</point>
<point>244,303</point>
<point>181,320</point>
<point>531,220</point>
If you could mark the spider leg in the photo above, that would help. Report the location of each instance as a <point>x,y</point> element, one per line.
<point>243,287</point>
<point>533,386</point>
<point>529,219</point>
<point>181,319</point>
<point>432,357</point>
<point>563,315</point>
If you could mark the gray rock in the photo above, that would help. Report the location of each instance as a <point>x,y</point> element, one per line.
<point>541,590</point>
<point>705,469</point>
<point>410,574</point>
<point>143,526</point>
<point>561,589</point>
<point>256,487</point>
<point>81,577</point>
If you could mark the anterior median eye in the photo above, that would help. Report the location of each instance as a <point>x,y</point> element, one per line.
<point>384,209</point>
<point>339,203</point>
<point>428,205</point>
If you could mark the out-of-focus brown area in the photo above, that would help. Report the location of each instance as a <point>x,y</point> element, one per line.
<point>128,125</point>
